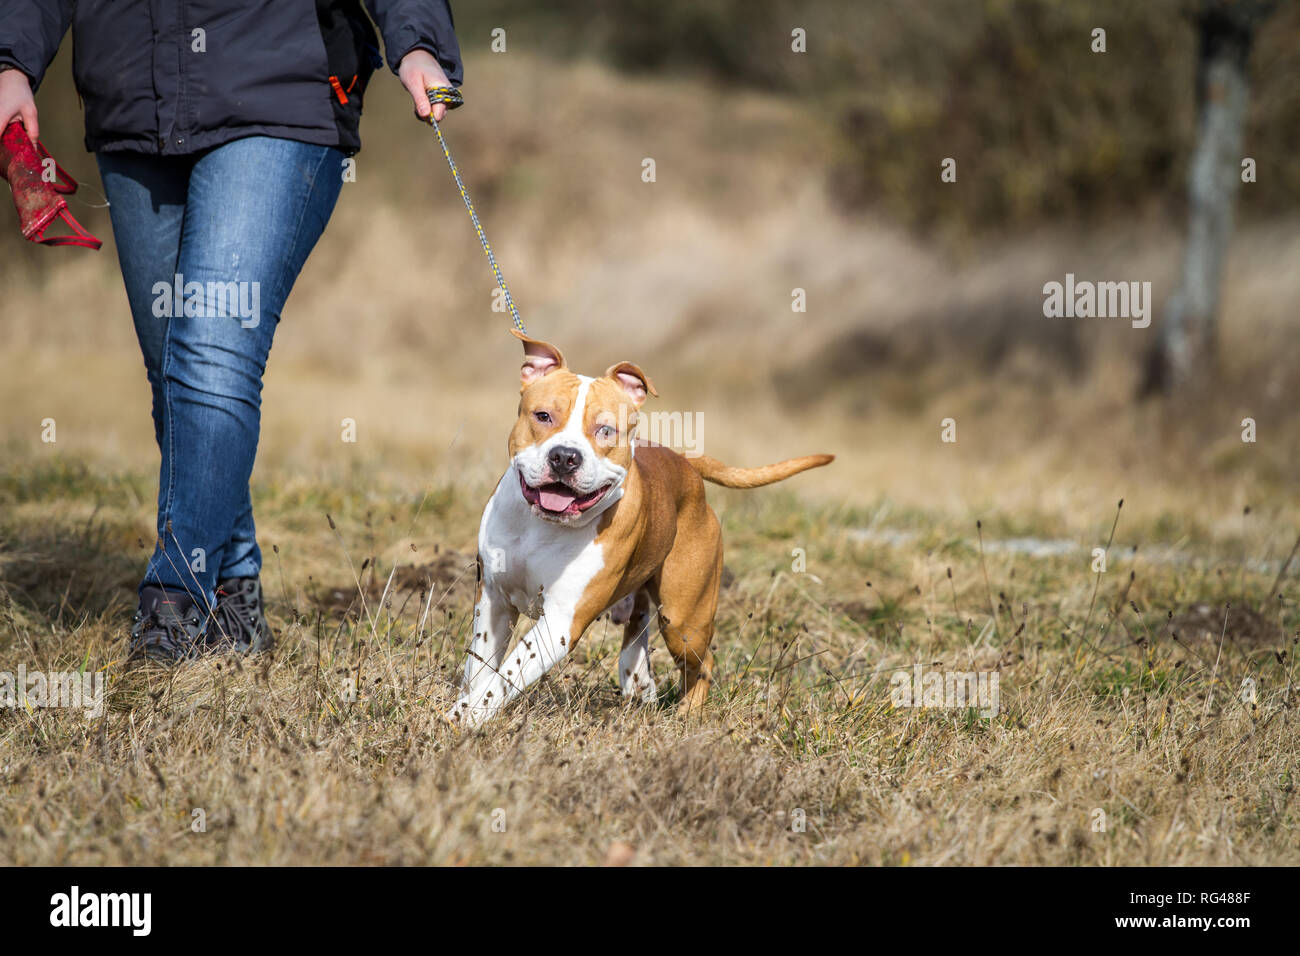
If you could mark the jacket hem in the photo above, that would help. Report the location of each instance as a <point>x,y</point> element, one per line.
<point>200,142</point>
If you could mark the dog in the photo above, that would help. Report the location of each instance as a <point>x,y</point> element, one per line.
<point>588,519</point>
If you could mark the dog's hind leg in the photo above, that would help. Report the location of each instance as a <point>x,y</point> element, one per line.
<point>687,589</point>
<point>634,673</point>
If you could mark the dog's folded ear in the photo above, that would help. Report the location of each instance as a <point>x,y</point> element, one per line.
<point>632,380</point>
<point>540,358</point>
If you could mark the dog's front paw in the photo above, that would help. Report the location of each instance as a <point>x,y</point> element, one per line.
<point>467,715</point>
<point>639,687</point>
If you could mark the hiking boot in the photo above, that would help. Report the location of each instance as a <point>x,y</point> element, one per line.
<point>238,622</point>
<point>168,626</point>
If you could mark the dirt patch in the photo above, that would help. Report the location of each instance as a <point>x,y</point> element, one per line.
<point>1245,626</point>
<point>450,575</point>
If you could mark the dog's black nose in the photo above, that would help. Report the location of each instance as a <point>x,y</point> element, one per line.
<point>564,460</point>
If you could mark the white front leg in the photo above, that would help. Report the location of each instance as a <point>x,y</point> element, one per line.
<point>483,688</point>
<point>634,674</point>
<point>544,646</point>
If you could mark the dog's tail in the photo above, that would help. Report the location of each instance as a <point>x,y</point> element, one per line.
<point>711,469</point>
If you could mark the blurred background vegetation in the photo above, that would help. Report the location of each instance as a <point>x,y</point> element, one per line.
<point>1046,129</point>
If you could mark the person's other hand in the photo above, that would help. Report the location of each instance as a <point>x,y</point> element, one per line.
<point>16,102</point>
<point>419,71</point>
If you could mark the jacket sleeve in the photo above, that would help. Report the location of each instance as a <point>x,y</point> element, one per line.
<point>30,34</point>
<point>408,25</point>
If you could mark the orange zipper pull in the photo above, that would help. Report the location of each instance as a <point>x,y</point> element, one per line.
<point>338,90</point>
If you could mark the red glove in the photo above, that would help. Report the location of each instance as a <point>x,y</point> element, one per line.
<point>39,202</point>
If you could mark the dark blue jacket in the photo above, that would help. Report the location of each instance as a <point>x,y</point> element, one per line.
<point>170,77</point>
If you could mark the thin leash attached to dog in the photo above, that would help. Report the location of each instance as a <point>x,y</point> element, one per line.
<point>452,98</point>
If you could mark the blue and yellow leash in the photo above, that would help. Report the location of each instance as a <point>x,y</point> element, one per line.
<point>451,97</point>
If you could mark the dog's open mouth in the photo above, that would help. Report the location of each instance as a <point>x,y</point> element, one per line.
<point>558,499</point>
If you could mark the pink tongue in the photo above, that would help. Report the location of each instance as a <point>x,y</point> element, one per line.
<point>556,500</point>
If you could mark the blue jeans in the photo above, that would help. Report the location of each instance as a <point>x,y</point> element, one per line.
<point>210,246</point>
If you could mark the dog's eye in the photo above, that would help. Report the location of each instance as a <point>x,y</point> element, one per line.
<point>543,417</point>
<point>606,433</point>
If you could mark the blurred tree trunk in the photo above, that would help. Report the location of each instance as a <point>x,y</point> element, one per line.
<point>1187,335</point>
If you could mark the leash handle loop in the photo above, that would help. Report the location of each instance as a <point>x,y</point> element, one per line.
<point>448,95</point>
<point>452,98</point>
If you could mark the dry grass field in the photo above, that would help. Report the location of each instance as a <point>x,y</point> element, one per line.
<point>1126,731</point>
<point>1107,703</point>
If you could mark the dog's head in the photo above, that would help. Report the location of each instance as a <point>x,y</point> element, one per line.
<point>572,444</point>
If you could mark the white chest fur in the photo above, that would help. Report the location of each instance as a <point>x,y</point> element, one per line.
<point>525,558</point>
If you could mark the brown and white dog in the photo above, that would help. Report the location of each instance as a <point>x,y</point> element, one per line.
<point>587,517</point>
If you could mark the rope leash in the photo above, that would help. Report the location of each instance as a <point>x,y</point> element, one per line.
<point>451,97</point>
